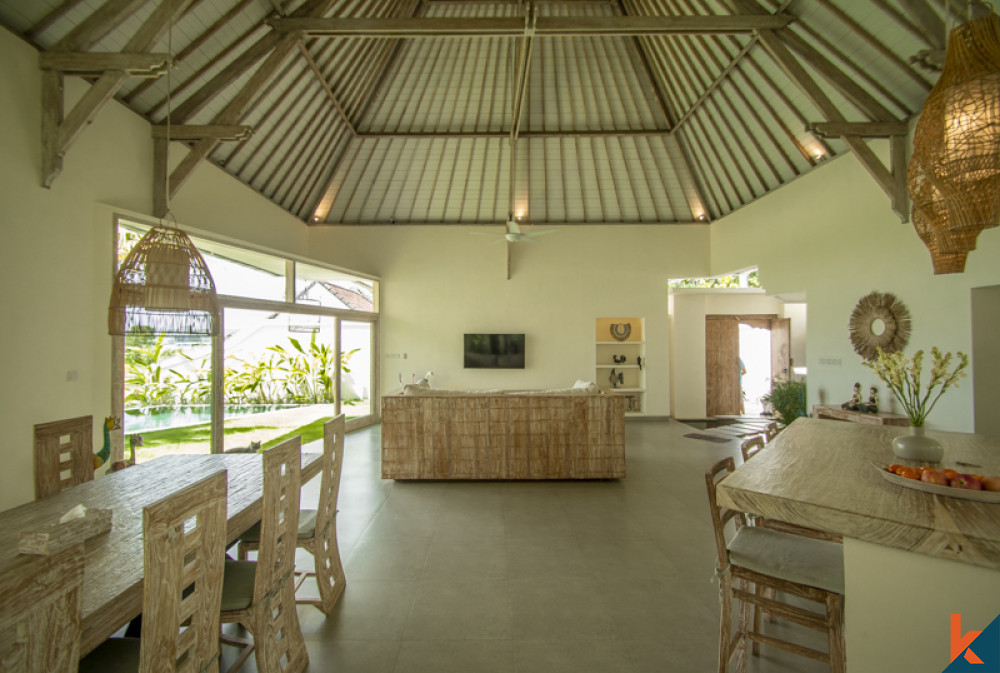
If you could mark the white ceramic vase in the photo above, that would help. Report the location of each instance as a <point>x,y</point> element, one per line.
<point>918,446</point>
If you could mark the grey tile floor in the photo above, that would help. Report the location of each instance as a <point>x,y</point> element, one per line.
<point>529,577</point>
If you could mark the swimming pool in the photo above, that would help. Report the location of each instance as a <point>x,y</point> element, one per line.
<point>165,418</point>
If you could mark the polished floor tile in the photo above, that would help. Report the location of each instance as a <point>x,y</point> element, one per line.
<point>529,577</point>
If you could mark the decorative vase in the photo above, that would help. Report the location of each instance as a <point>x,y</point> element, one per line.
<point>918,446</point>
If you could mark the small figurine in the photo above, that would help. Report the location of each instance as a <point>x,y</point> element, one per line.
<point>871,406</point>
<point>854,404</point>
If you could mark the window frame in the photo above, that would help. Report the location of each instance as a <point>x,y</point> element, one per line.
<point>247,303</point>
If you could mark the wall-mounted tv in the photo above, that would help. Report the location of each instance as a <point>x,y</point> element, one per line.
<point>494,351</point>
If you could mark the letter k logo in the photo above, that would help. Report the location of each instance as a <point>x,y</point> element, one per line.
<point>976,650</point>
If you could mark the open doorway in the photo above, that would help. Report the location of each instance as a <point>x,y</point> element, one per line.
<point>755,356</point>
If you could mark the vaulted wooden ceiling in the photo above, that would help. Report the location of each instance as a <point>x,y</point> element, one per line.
<point>362,112</point>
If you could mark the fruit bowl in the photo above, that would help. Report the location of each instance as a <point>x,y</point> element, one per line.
<point>936,489</point>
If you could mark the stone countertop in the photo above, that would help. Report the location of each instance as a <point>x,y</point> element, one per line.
<point>824,474</point>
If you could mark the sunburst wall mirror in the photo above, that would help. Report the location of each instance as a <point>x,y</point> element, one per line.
<point>880,320</point>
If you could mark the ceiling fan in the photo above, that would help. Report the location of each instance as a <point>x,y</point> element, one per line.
<point>514,234</point>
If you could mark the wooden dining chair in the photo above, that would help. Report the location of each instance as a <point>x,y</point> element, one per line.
<point>771,431</point>
<point>755,559</point>
<point>318,527</point>
<point>63,454</point>
<point>40,612</point>
<point>184,544</point>
<point>260,595</point>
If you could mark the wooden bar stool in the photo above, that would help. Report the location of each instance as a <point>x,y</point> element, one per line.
<point>260,595</point>
<point>40,612</point>
<point>318,527</point>
<point>751,446</point>
<point>63,454</point>
<point>756,559</point>
<point>184,544</point>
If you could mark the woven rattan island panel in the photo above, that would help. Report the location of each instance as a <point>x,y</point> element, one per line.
<point>503,436</point>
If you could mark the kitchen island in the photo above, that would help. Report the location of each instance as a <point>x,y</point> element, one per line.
<point>911,558</point>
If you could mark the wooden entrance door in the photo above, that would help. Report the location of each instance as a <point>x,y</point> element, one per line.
<point>722,365</point>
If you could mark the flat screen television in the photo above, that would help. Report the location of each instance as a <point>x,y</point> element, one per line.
<point>494,351</point>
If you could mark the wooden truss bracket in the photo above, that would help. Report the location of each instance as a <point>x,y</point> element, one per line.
<point>185,132</point>
<point>891,180</point>
<point>151,65</point>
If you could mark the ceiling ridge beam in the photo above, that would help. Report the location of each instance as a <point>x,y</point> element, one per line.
<point>546,26</point>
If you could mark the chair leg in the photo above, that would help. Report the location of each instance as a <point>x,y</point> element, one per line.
<point>835,629</point>
<point>757,613</point>
<point>280,634</point>
<point>725,621</point>
<point>743,623</point>
<point>329,572</point>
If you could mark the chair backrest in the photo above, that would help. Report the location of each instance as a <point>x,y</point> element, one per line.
<point>751,446</point>
<point>40,612</point>
<point>770,431</point>
<point>279,523</point>
<point>185,550</point>
<point>333,463</point>
<point>721,515</point>
<point>63,454</point>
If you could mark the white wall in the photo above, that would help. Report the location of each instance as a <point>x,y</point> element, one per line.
<point>986,358</point>
<point>832,235</point>
<point>440,282</point>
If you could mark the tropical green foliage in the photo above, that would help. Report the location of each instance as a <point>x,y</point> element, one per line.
<point>294,374</point>
<point>788,399</point>
<point>731,281</point>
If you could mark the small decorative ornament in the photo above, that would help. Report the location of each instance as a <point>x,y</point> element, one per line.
<point>621,331</point>
<point>879,321</point>
<point>903,378</point>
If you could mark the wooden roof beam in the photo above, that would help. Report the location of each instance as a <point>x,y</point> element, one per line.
<point>152,65</point>
<point>59,131</point>
<point>862,129</point>
<point>222,132</point>
<point>326,87</point>
<point>281,49</point>
<point>546,26</point>
<point>892,181</point>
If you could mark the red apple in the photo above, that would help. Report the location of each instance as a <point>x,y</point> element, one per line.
<point>991,483</point>
<point>967,481</point>
<point>934,477</point>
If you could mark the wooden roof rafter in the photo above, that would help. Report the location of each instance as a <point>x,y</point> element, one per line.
<point>60,130</point>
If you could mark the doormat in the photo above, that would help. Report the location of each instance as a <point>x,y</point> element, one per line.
<point>710,438</point>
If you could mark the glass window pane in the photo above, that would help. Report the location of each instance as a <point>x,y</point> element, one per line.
<point>168,394</point>
<point>333,289</point>
<point>279,377</point>
<point>356,388</point>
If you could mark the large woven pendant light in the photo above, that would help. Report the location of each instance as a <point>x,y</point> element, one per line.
<point>954,174</point>
<point>164,286</point>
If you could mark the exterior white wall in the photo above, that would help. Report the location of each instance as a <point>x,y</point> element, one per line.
<point>832,235</point>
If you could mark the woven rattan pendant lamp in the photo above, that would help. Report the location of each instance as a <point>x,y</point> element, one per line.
<point>954,174</point>
<point>164,286</point>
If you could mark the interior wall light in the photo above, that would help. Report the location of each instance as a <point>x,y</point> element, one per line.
<point>954,173</point>
<point>164,286</point>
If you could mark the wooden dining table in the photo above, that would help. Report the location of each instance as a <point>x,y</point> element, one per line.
<point>911,558</point>
<point>113,577</point>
